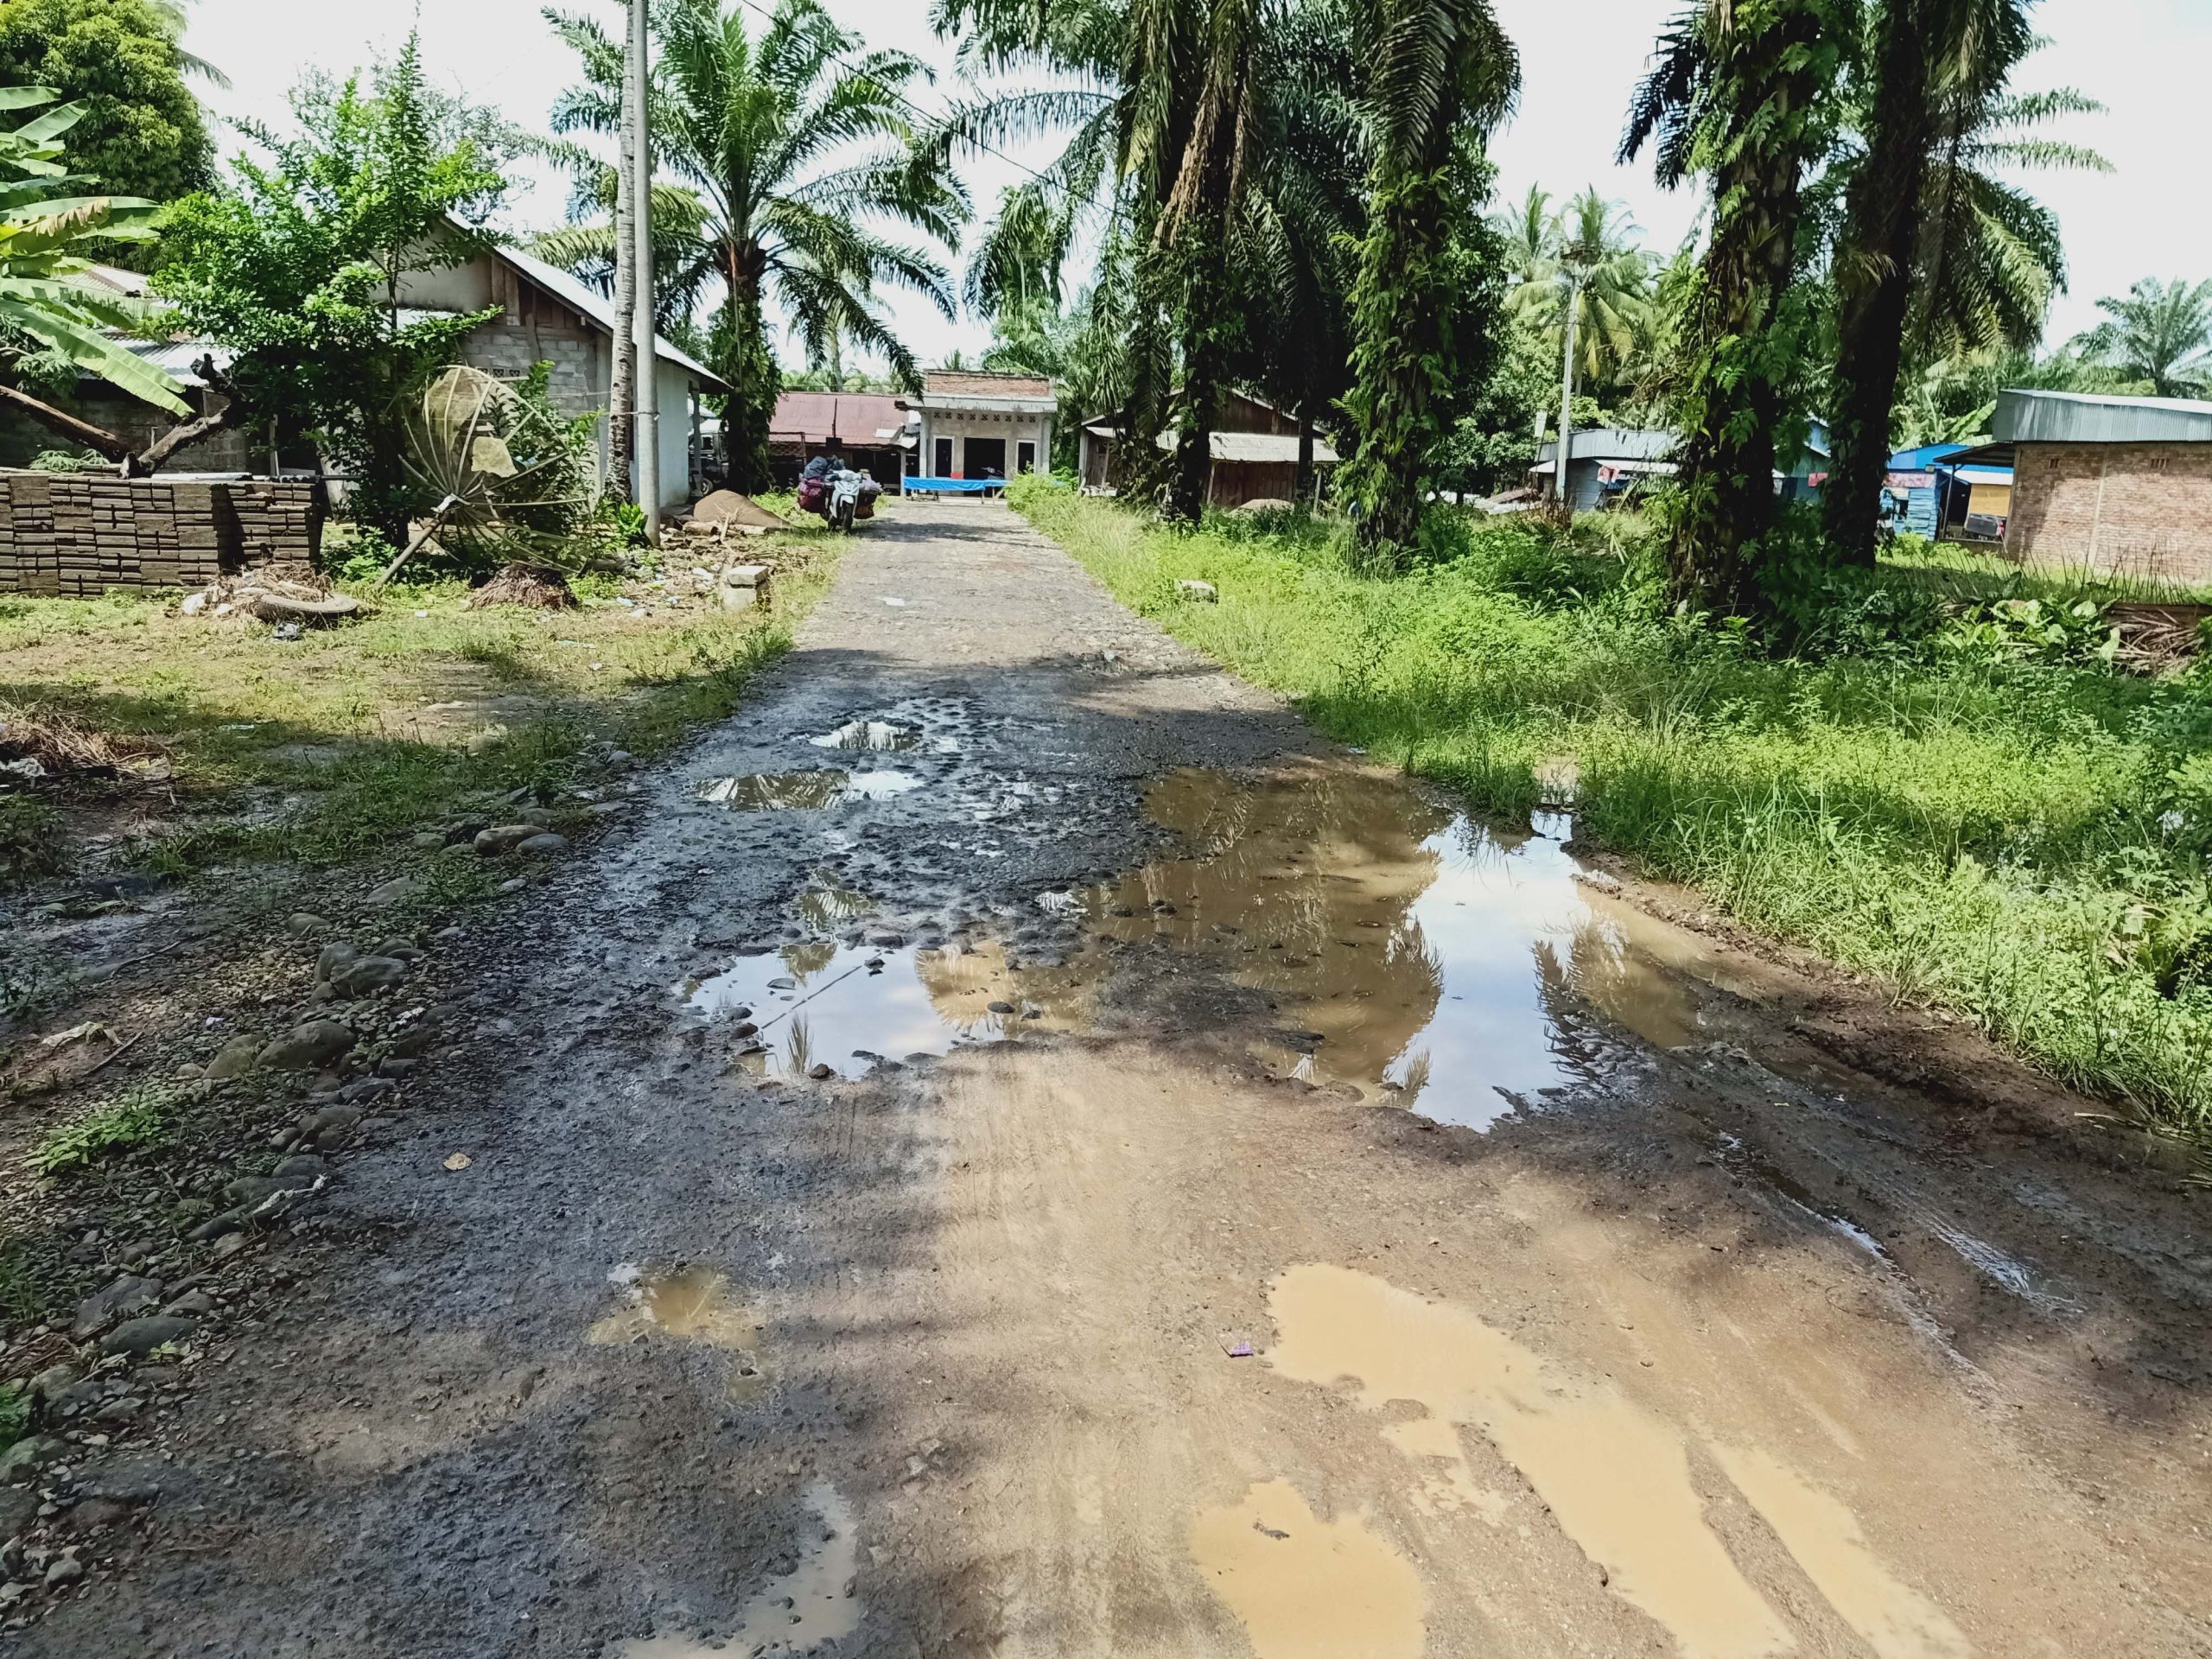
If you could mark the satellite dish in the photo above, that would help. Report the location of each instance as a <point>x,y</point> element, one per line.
<point>462,437</point>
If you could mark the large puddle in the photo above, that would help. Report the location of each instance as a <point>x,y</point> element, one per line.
<point>801,791</point>
<point>1417,948</point>
<point>1614,1477</point>
<point>1306,1588</point>
<point>1401,947</point>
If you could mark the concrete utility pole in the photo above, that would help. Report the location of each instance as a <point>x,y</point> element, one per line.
<point>622,383</point>
<point>1566,395</point>
<point>641,223</point>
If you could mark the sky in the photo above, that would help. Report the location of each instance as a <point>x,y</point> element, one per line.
<point>2144,59</point>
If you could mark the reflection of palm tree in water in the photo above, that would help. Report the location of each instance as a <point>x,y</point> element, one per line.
<point>1306,879</point>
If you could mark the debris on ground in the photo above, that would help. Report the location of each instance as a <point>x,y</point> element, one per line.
<point>525,584</point>
<point>728,509</point>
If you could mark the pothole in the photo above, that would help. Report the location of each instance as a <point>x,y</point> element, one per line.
<point>690,1303</point>
<point>853,1008</point>
<point>801,791</point>
<point>880,736</point>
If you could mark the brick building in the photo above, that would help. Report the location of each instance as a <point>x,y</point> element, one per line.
<point>2110,487</point>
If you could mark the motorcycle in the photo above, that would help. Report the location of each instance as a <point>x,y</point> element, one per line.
<point>844,498</point>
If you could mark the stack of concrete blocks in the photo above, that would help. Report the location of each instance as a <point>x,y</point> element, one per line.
<point>74,534</point>
<point>745,586</point>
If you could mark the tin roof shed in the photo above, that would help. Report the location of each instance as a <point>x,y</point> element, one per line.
<point>2085,417</point>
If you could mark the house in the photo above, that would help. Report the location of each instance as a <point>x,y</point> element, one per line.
<point>974,426</point>
<point>1604,462</point>
<point>547,315</point>
<point>1950,492</point>
<point>1253,450</point>
<point>870,430</point>
<point>2109,486</point>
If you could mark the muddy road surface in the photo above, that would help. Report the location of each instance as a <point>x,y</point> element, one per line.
<point>1018,1148</point>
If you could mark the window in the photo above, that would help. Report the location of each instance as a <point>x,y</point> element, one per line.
<point>941,458</point>
<point>1025,456</point>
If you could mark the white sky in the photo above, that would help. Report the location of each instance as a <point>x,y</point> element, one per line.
<point>2143,58</point>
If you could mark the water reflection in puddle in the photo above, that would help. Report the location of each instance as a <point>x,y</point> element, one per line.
<point>813,1604</point>
<point>691,1304</point>
<point>1416,947</point>
<point>791,791</point>
<point>878,734</point>
<point>1400,946</point>
<point>850,1008</point>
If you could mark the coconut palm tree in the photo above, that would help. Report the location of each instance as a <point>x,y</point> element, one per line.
<point>799,148</point>
<point>1744,94</point>
<point>1583,285</point>
<point>2158,332</point>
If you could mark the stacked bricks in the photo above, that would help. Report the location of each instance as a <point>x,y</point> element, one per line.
<point>82,533</point>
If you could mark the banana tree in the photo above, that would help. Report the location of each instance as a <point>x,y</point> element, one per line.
<point>46,300</point>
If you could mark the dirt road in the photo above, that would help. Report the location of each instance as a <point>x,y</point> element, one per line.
<point>1245,1208</point>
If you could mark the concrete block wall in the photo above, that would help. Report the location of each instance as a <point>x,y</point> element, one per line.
<point>2129,510</point>
<point>78,534</point>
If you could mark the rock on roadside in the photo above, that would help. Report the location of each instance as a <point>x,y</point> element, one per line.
<point>308,1047</point>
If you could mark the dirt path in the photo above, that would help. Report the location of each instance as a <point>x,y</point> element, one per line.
<point>1283,1219</point>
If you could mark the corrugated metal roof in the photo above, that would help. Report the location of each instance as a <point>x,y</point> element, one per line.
<point>1616,443</point>
<point>2084,417</point>
<point>1920,460</point>
<point>180,358</point>
<point>1258,447</point>
<point>850,416</point>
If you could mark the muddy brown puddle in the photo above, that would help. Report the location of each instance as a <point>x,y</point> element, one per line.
<point>1404,948</point>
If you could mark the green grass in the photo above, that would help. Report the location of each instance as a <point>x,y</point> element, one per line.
<point>140,1117</point>
<point>2024,841</point>
<point>419,713</point>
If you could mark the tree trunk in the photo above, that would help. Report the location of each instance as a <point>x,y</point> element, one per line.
<point>1301,485</point>
<point>751,371</point>
<point>1882,218</point>
<point>111,446</point>
<point>1747,355</point>
<point>99,440</point>
<point>1205,365</point>
<point>1401,324</point>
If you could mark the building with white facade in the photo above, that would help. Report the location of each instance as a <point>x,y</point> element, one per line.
<point>983,425</point>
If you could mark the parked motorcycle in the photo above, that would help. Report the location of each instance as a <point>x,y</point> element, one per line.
<point>840,499</point>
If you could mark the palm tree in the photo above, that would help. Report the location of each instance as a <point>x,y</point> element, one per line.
<point>1583,284</point>
<point>2158,332</point>
<point>794,156</point>
<point>1938,257</point>
<point>1744,94</point>
<point>1438,75</point>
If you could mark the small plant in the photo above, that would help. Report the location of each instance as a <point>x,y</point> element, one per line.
<point>69,461</point>
<point>15,1413</point>
<point>138,1117</point>
<point>31,842</point>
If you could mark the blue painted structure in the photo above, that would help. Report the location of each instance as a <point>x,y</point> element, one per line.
<point>1915,487</point>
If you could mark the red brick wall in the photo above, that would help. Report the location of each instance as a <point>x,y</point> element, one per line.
<point>2142,509</point>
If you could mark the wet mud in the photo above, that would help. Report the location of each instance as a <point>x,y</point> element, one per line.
<point>1145,1182</point>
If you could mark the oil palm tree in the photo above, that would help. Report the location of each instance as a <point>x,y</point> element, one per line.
<point>798,147</point>
<point>1744,93</point>
<point>1937,256</point>
<point>1437,76</point>
<point>2158,332</point>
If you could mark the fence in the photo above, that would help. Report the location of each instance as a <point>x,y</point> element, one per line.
<point>81,533</point>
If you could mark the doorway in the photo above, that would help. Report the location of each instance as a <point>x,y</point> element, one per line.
<point>985,457</point>
<point>941,457</point>
<point>1025,456</point>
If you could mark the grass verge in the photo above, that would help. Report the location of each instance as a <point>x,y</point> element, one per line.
<point>330,748</point>
<point>2023,841</point>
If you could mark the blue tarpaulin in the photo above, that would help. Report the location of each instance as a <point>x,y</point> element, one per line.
<point>953,486</point>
